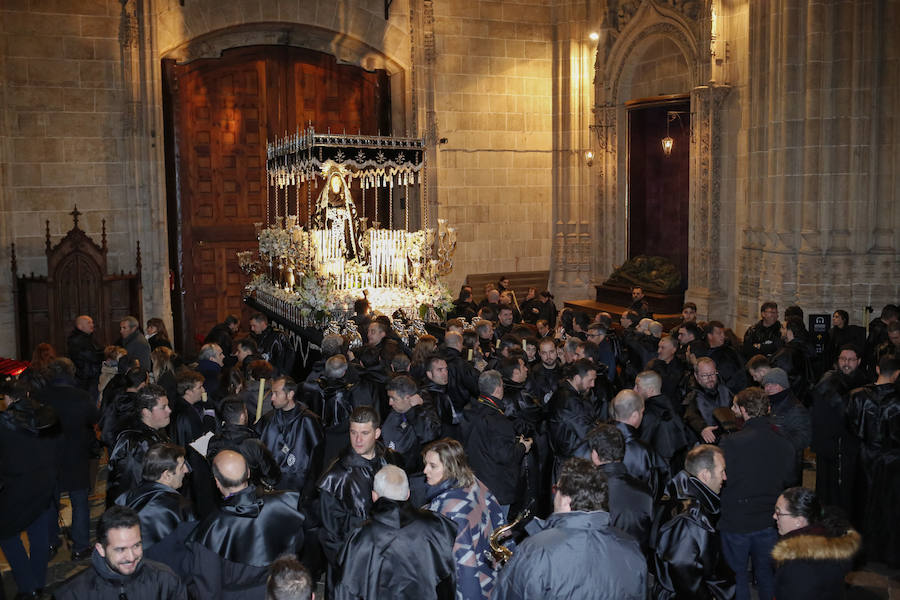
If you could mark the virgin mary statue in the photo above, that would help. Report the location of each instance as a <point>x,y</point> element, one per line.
<point>336,214</point>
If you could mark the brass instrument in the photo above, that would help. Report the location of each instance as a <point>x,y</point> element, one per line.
<point>500,553</point>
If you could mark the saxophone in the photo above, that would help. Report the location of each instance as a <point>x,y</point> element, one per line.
<point>500,553</point>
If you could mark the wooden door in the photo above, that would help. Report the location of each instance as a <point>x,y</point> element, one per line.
<point>222,113</point>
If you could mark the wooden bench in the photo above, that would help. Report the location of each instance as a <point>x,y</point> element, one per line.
<point>519,282</point>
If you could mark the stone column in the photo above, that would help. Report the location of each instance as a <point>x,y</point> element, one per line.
<point>705,266</point>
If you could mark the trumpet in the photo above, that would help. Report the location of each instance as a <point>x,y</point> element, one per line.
<point>500,553</point>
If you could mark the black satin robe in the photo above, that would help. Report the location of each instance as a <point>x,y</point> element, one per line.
<point>400,553</point>
<point>296,440</point>
<point>160,508</point>
<point>345,496</point>
<point>253,528</point>
<point>688,562</point>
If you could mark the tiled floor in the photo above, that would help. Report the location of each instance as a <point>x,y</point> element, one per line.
<point>874,581</point>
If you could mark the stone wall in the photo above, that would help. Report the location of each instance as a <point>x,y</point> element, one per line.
<point>492,102</point>
<point>61,134</point>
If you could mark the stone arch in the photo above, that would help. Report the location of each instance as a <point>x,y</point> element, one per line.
<point>684,36</point>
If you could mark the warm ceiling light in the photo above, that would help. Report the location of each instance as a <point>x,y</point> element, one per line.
<point>594,36</point>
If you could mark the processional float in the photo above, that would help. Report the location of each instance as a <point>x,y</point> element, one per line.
<point>311,273</point>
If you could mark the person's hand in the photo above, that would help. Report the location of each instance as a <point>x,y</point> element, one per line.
<point>708,434</point>
<point>416,400</point>
<point>692,358</point>
<point>527,442</point>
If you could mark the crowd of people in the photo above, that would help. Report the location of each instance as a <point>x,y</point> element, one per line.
<point>511,452</point>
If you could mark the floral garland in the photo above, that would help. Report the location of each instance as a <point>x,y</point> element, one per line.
<point>274,242</point>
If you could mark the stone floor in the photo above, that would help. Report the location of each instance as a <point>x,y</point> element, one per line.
<point>873,581</point>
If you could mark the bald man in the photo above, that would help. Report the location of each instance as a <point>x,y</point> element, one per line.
<point>400,547</point>
<point>86,353</point>
<point>233,547</point>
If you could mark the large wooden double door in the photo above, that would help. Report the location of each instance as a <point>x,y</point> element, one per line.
<point>219,115</point>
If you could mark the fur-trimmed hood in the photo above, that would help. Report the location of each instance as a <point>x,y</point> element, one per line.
<point>809,544</point>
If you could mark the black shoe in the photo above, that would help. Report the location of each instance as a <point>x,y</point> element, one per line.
<point>82,554</point>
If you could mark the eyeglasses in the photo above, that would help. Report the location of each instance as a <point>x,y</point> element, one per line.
<point>778,513</point>
<point>707,375</point>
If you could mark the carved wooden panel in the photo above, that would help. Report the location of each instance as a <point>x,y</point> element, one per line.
<point>77,283</point>
<point>224,111</point>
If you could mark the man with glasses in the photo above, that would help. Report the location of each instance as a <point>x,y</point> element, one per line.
<point>704,399</point>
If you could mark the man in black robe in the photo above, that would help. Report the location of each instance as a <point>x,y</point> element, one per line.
<point>630,502</point>
<point>148,427</point>
<point>836,448</point>
<point>411,423</point>
<point>640,460</point>
<point>401,551</point>
<point>295,438</point>
<point>231,549</point>
<point>345,490</point>
<point>166,516</point>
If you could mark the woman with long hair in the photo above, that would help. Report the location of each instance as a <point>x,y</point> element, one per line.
<point>816,548</point>
<point>157,335</point>
<point>454,492</point>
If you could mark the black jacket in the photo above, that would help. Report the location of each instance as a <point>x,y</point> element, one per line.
<point>188,423</point>
<point>462,379</point>
<point>630,503</point>
<point>574,556</point>
<point>277,349</point>
<point>520,405</point>
<point>663,429</point>
<point>29,438</point>
<point>760,339</point>
<point>760,465</point>
<point>345,495</point>
<point>688,561</point>
<point>370,389</point>
<point>673,374</point>
<point>543,381</point>
<point>492,447</point>
<point>138,348</point>
<point>77,416</point>
<point>701,402</point>
<point>730,366</point>
<point>220,334</point>
<point>449,414</point>
<point>643,462</point>
<point>87,355</point>
<point>332,401</point>
<point>791,419</point>
<point>811,564</point>
<point>150,581</point>
<point>245,440</point>
<point>296,440</point>
<point>793,359</point>
<point>828,414</point>
<point>569,417</point>
<point>408,432</point>
<point>127,457</point>
<point>233,548</point>
<point>400,553</point>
